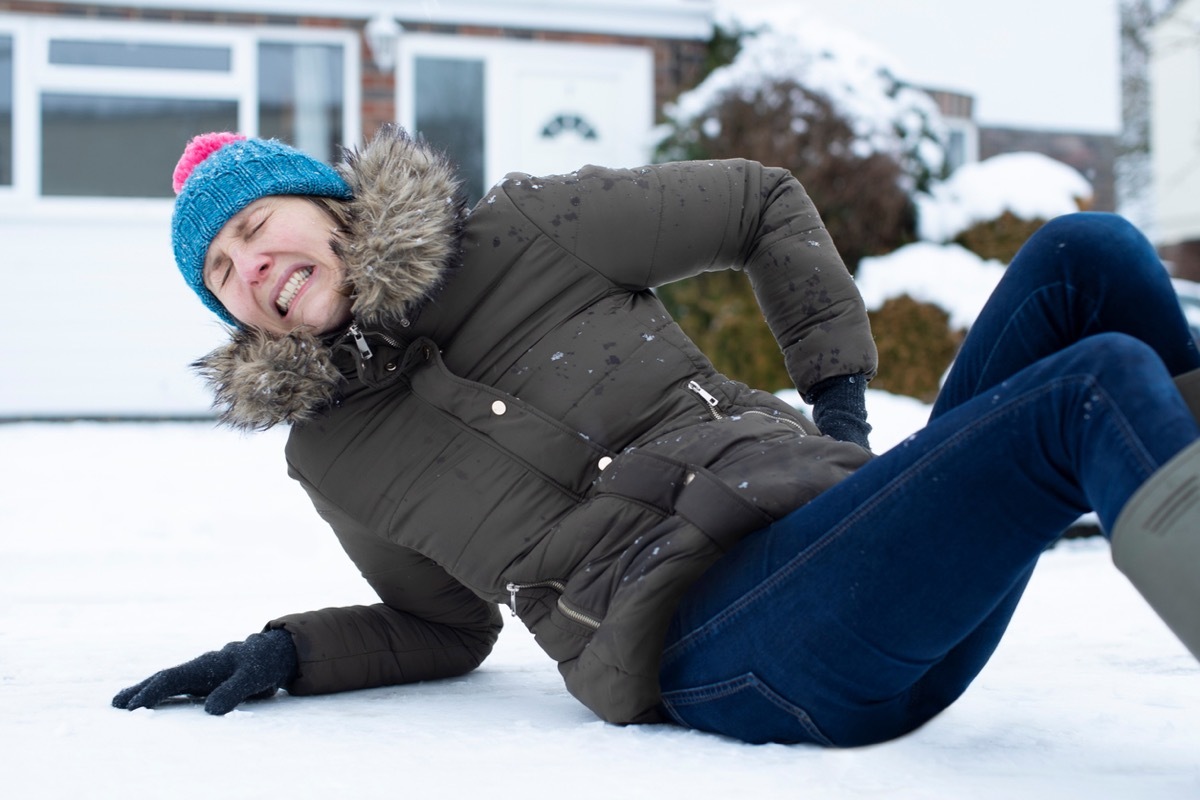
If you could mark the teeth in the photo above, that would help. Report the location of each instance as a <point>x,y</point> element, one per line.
<point>291,287</point>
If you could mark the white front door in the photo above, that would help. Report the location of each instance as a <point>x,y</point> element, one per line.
<point>502,106</point>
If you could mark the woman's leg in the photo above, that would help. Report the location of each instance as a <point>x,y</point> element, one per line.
<point>1079,275</point>
<point>863,614</point>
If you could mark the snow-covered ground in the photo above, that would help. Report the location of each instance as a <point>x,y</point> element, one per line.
<point>127,548</point>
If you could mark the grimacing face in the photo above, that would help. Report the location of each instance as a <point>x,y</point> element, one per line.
<point>273,268</point>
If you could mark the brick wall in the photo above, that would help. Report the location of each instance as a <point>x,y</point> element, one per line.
<point>1183,259</point>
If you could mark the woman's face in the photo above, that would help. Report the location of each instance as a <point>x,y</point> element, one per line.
<point>272,267</point>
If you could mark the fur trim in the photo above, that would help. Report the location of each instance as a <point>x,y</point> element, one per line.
<point>402,235</point>
<point>406,216</point>
<point>259,380</point>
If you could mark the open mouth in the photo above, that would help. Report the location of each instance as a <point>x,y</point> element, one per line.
<point>298,279</point>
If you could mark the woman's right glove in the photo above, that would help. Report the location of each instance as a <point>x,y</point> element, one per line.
<point>253,669</point>
<point>840,408</point>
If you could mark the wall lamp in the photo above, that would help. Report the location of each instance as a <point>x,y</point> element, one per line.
<point>383,33</point>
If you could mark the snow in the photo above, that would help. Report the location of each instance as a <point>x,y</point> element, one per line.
<point>128,548</point>
<point>1028,185</point>
<point>949,276</point>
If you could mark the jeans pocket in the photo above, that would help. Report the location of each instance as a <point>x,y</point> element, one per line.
<point>745,708</point>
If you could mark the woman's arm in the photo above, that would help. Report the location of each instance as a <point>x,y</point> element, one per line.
<point>645,227</point>
<point>427,626</point>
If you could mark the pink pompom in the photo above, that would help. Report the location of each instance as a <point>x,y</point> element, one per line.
<point>198,149</point>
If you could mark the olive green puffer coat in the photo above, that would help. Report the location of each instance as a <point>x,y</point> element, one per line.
<point>513,419</point>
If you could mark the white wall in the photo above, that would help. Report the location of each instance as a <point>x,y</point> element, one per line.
<point>94,317</point>
<point>1175,124</point>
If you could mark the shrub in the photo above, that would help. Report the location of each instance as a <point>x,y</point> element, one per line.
<point>999,238</point>
<point>916,346</point>
<point>719,312</point>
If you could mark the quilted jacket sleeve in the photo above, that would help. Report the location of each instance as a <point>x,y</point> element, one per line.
<point>642,228</point>
<point>427,626</point>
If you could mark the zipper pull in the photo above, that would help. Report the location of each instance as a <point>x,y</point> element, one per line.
<point>696,388</point>
<point>360,341</point>
<point>512,596</point>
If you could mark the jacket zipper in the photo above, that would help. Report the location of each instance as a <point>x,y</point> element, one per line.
<point>360,341</point>
<point>777,418</point>
<point>713,409</point>
<point>698,390</point>
<point>558,586</point>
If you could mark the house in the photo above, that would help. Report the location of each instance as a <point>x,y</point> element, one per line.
<point>1092,154</point>
<point>97,100</point>
<point>1175,136</point>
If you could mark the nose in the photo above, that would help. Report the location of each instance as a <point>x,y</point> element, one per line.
<point>251,266</point>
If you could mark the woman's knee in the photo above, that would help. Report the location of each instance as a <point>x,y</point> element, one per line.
<point>1089,227</point>
<point>1096,239</point>
<point>1099,253</point>
<point>1119,354</point>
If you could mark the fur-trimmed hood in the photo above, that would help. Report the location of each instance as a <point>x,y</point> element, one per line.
<point>401,236</point>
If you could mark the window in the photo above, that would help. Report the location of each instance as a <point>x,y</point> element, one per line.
<point>300,96</point>
<point>956,150</point>
<point>6,108</point>
<point>449,113</point>
<point>111,146</point>
<point>139,55</point>
<point>107,107</point>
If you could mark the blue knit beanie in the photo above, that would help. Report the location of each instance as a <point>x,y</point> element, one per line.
<point>218,175</point>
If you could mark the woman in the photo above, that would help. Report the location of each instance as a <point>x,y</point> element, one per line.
<point>491,408</point>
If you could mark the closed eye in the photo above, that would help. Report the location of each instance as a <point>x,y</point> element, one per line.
<point>252,225</point>
<point>225,267</point>
<point>250,234</point>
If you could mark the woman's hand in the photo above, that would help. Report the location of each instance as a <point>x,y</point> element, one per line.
<point>840,409</point>
<point>253,669</point>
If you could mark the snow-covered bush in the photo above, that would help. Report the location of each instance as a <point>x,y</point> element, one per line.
<point>808,70</point>
<point>991,207</point>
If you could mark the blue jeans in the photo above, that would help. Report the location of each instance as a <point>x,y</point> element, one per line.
<point>866,612</point>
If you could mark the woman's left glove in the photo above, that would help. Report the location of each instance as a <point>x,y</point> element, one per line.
<point>840,408</point>
<point>253,669</point>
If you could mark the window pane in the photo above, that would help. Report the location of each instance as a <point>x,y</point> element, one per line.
<point>300,96</point>
<point>448,95</point>
<point>139,55</point>
<point>6,110</point>
<point>100,146</point>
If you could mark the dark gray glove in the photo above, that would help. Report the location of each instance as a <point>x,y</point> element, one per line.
<point>840,408</point>
<point>253,669</point>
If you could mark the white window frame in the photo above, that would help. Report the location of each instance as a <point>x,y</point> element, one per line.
<point>34,74</point>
